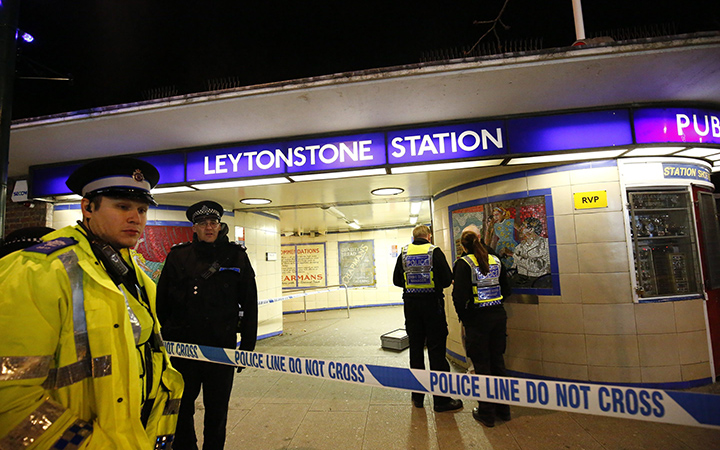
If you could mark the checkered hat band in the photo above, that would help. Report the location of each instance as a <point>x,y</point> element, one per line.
<point>205,211</point>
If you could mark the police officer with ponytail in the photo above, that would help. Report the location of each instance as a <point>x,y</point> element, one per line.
<point>423,272</point>
<point>480,285</point>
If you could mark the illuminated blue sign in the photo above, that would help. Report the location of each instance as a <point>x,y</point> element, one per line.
<point>235,162</point>
<point>345,152</point>
<point>570,131</point>
<point>47,181</point>
<point>471,140</point>
<point>503,138</point>
<point>308,155</point>
<point>676,125</point>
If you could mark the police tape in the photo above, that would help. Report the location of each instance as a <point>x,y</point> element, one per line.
<point>654,405</point>
<point>291,296</point>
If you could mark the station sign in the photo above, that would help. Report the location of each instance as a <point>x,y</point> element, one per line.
<point>469,141</point>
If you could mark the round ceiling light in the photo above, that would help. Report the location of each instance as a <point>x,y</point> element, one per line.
<point>255,201</point>
<point>387,191</point>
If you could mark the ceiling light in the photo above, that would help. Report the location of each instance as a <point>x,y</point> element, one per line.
<point>714,157</point>
<point>415,208</point>
<point>567,157</point>
<point>446,166</point>
<point>698,152</point>
<point>255,201</point>
<point>387,191</point>
<point>335,212</point>
<point>653,151</point>
<point>241,183</point>
<point>169,190</point>
<point>354,225</point>
<point>335,175</point>
<point>413,220</point>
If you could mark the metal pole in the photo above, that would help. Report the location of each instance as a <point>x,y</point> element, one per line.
<point>579,23</point>
<point>9,10</point>
<point>347,299</point>
<point>305,303</point>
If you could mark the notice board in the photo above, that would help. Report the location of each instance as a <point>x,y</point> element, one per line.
<point>357,263</point>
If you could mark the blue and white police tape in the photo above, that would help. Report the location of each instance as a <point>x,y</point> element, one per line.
<point>654,405</point>
<point>288,297</point>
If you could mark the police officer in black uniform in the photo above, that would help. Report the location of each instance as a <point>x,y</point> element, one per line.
<point>207,294</point>
<point>423,272</point>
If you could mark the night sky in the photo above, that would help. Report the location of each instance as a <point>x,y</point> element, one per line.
<point>118,50</point>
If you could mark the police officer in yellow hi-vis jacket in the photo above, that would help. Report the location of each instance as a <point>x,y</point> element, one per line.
<point>423,272</point>
<point>480,284</point>
<point>82,363</point>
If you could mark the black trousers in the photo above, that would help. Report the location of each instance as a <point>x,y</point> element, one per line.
<point>425,324</point>
<point>485,343</point>
<point>216,381</point>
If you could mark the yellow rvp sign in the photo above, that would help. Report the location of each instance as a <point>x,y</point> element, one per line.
<point>594,199</point>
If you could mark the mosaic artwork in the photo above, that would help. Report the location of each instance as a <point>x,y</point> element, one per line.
<point>517,231</point>
<point>155,244</point>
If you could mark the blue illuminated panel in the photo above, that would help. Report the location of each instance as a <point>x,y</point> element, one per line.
<point>570,131</point>
<point>47,181</point>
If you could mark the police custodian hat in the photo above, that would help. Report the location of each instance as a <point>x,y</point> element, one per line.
<point>205,209</point>
<point>118,176</point>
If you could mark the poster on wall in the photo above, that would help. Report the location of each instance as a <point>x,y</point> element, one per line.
<point>517,231</point>
<point>303,266</point>
<point>155,243</point>
<point>288,265</point>
<point>357,263</point>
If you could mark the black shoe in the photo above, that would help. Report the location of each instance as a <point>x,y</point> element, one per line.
<point>452,405</point>
<point>418,403</point>
<point>504,416</point>
<point>488,421</point>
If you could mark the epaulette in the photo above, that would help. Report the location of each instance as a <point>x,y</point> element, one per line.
<point>182,244</point>
<point>242,246</point>
<point>51,246</point>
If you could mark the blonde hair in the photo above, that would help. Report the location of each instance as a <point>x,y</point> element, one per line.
<point>421,231</point>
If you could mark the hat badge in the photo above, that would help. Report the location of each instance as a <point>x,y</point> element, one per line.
<point>138,175</point>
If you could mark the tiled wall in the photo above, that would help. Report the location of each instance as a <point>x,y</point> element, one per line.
<point>262,235</point>
<point>384,293</point>
<point>593,331</point>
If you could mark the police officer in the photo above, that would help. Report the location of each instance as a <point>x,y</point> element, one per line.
<point>206,295</point>
<point>423,272</point>
<point>480,284</point>
<point>83,365</point>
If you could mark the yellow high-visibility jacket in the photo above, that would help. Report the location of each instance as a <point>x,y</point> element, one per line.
<point>417,263</point>
<point>73,366</point>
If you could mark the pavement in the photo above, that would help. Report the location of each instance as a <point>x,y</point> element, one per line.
<point>270,410</point>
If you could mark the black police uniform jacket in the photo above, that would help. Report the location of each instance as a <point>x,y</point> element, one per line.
<point>198,305</point>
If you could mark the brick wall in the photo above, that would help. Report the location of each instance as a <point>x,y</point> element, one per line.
<point>21,215</point>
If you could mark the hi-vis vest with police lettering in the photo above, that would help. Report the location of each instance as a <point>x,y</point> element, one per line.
<point>486,288</point>
<point>418,263</point>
